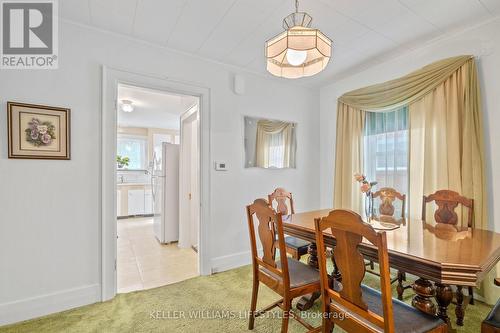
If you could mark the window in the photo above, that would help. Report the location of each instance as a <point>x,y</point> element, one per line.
<point>135,148</point>
<point>386,148</point>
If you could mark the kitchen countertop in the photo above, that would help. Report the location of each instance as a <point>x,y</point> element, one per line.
<point>133,184</point>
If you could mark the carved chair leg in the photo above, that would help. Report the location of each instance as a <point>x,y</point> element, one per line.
<point>253,305</point>
<point>327,325</point>
<point>459,309</point>
<point>471,294</point>
<point>287,305</point>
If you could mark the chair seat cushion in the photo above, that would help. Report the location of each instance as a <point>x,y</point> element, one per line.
<point>406,318</point>
<point>296,243</point>
<point>300,273</point>
<point>493,318</point>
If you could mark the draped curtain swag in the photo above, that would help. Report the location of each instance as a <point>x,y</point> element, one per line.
<point>445,134</point>
<point>265,130</point>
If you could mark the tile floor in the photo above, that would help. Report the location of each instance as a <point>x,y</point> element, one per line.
<point>144,263</point>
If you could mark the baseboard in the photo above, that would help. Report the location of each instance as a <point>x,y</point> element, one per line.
<point>231,261</point>
<point>34,307</point>
<point>225,263</point>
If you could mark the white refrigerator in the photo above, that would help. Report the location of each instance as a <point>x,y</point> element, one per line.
<point>165,187</point>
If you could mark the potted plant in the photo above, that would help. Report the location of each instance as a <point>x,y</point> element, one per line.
<point>122,162</point>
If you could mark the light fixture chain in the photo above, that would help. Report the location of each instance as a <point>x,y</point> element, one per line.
<point>296,6</point>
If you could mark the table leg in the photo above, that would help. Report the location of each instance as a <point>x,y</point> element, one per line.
<point>459,309</point>
<point>336,273</point>
<point>400,288</point>
<point>307,301</point>
<point>313,256</point>
<point>444,296</point>
<point>424,292</point>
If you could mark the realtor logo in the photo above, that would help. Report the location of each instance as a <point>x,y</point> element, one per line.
<point>29,34</point>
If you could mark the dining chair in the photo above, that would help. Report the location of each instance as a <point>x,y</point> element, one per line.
<point>446,202</point>
<point>355,307</point>
<point>282,200</point>
<point>286,276</point>
<point>387,196</point>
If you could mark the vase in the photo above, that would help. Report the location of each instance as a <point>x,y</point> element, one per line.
<point>369,206</point>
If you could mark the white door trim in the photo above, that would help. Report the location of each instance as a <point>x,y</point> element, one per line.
<point>111,77</point>
<point>184,224</point>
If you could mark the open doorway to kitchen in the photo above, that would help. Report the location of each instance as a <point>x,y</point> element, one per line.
<point>152,168</point>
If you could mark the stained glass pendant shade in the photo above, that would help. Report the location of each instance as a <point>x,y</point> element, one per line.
<point>298,51</point>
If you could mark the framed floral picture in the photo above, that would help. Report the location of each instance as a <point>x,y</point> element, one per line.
<point>38,132</point>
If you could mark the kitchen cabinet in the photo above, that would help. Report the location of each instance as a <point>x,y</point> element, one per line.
<point>135,202</point>
<point>119,203</point>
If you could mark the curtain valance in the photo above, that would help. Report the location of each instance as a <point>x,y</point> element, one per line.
<point>406,89</point>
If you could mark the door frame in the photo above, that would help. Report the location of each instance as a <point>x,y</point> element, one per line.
<point>111,78</point>
<point>190,112</point>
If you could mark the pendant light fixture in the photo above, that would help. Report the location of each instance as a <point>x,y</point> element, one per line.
<point>298,51</point>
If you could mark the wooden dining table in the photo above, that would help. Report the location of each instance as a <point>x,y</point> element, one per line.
<point>439,258</point>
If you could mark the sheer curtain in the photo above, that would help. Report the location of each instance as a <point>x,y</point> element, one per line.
<point>276,151</point>
<point>386,149</point>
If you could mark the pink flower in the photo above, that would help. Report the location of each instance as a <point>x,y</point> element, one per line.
<point>359,177</point>
<point>366,187</point>
<point>34,134</point>
<point>46,138</point>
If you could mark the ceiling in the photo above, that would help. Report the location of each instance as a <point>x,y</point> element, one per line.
<point>234,31</point>
<point>152,108</point>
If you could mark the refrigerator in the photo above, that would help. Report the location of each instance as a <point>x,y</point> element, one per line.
<point>165,188</point>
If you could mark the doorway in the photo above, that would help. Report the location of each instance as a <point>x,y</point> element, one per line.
<point>150,252</point>
<point>111,78</point>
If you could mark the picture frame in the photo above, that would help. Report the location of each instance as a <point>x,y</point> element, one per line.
<point>38,131</point>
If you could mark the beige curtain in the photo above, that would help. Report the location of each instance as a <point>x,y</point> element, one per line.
<point>265,130</point>
<point>348,157</point>
<point>446,150</point>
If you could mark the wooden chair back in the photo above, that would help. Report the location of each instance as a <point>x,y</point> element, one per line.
<point>387,197</point>
<point>349,229</point>
<point>446,202</point>
<point>269,227</point>
<point>281,196</point>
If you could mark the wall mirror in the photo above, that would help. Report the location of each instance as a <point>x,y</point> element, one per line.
<point>269,144</point>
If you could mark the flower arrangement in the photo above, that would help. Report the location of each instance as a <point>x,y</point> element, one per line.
<point>366,188</point>
<point>40,133</point>
<point>122,161</point>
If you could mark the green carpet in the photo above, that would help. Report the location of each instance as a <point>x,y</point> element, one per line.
<point>218,296</point>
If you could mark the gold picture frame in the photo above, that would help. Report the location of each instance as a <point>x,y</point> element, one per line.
<point>38,131</point>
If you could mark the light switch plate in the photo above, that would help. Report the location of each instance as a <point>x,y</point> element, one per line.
<point>220,166</point>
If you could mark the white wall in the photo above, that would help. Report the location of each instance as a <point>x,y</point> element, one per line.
<point>49,210</point>
<point>483,40</point>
